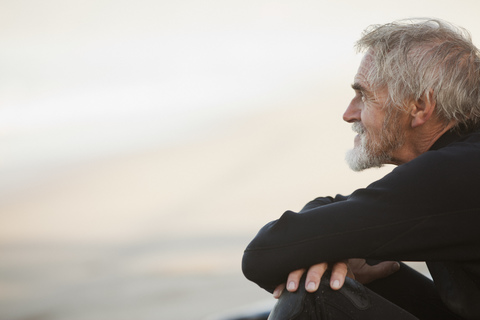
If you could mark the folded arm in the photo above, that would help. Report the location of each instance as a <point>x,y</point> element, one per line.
<point>392,219</point>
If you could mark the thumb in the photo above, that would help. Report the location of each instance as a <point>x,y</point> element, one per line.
<point>385,268</point>
<point>381,270</point>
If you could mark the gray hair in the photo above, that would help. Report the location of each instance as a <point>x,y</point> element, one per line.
<point>416,58</point>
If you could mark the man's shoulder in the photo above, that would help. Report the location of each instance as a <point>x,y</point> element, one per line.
<point>464,146</point>
<point>453,169</point>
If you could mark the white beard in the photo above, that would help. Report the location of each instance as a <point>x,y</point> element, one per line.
<point>359,159</point>
<point>368,154</point>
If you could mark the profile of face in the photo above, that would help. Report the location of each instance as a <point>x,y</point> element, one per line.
<point>379,134</point>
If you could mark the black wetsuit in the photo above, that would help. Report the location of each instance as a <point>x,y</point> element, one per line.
<point>425,210</point>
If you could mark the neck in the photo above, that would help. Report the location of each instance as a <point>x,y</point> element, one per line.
<point>419,140</point>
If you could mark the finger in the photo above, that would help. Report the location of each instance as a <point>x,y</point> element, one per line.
<point>339,272</point>
<point>383,269</point>
<point>314,275</point>
<point>278,290</point>
<point>294,279</point>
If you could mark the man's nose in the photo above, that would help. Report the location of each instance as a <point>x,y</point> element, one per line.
<point>352,113</point>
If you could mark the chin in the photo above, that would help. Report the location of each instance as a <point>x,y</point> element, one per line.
<point>359,159</point>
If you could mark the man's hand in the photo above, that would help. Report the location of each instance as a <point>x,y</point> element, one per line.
<point>365,273</point>
<point>314,274</point>
<point>354,268</point>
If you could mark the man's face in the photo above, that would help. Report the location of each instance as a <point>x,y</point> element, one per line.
<point>379,134</point>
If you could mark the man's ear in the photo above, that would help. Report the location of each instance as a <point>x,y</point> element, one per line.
<point>422,109</point>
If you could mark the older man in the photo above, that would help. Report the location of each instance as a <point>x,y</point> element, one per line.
<point>416,105</point>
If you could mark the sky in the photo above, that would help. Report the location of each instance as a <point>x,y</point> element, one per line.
<point>81,79</point>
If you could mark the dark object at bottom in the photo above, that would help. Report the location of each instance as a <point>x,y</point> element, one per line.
<point>257,316</point>
<point>352,301</point>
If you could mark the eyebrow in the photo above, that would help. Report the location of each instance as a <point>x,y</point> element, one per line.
<point>358,87</point>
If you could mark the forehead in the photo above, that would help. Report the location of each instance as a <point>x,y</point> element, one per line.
<point>363,70</point>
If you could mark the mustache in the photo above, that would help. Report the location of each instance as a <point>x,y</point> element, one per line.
<point>358,127</point>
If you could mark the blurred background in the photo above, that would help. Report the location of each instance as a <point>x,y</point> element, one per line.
<point>143,144</point>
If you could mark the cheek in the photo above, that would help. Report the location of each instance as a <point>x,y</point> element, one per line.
<point>372,121</point>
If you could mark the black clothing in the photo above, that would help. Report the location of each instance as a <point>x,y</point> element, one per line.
<point>414,298</point>
<point>413,292</point>
<point>425,210</point>
<point>328,304</point>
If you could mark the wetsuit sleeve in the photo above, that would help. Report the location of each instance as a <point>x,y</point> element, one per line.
<point>417,212</point>
<point>321,201</point>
